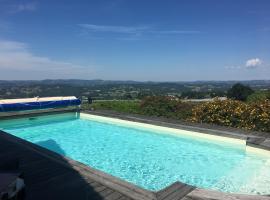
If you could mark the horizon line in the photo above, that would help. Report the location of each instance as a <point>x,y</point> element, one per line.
<point>175,81</point>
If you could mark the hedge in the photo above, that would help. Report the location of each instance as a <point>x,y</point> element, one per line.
<point>250,116</point>
<point>166,107</point>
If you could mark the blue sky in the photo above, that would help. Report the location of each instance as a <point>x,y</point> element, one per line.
<point>157,40</point>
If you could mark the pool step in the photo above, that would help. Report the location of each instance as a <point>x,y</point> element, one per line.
<point>258,178</point>
<point>229,183</point>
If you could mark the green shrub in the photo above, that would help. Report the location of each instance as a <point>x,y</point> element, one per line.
<point>150,106</point>
<point>258,96</point>
<point>166,107</point>
<point>119,106</point>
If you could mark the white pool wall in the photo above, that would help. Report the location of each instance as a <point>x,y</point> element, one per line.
<point>256,150</point>
<point>163,129</point>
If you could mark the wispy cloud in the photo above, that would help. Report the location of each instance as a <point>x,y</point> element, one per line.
<point>250,64</point>
<point>233,67</point>
<point>14,8</point>
<point>177,32</point>
<point>114,29</point>
<point>17,56</point>
<point>24,7</point>
<point>133,30</point>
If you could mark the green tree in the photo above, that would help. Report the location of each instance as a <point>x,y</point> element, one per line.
<point>239,92</point>
<point>258,96</point>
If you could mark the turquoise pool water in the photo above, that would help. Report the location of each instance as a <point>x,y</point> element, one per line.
<point>146,158</point>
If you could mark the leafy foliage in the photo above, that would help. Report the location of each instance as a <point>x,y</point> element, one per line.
<point>202,95</point>
<point>258,96</point>
<point>254,116</point>
<point>166,107</point>
<point>233,113</point>
<point>239,92</point>
<point>150,106</point>
<point>119,106</point>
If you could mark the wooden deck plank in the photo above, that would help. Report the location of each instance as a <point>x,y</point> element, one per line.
<point>99,189</point>
<point>179,193</point>
<point>124,198</point>
<point>106,192</point>
<point>114,196</point>
<point>171,190</point>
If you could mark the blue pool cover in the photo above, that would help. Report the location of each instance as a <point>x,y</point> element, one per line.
<point>38,105</point>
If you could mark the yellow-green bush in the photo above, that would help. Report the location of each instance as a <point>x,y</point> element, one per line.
<point>234,113</point>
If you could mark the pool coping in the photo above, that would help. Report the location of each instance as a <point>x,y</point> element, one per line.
<point>176,190</point>
<point>253,139</point>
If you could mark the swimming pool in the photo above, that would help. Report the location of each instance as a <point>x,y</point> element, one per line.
<point>149,156</point>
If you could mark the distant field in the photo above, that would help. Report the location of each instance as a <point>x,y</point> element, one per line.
<point>126,106</point>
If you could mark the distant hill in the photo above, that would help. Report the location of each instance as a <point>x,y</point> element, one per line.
<point>106,89</point>
<point>81,82</point>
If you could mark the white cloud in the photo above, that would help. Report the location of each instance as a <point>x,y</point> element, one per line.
<point>17,56</point>
<point>250,64</point>
<point>15,8</point>
<point>253,63</point>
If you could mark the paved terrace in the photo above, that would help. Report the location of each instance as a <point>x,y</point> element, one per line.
<point>52,176</point>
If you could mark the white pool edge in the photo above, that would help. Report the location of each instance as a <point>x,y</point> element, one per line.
<point>182,132</point>
<point>255,150</point>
